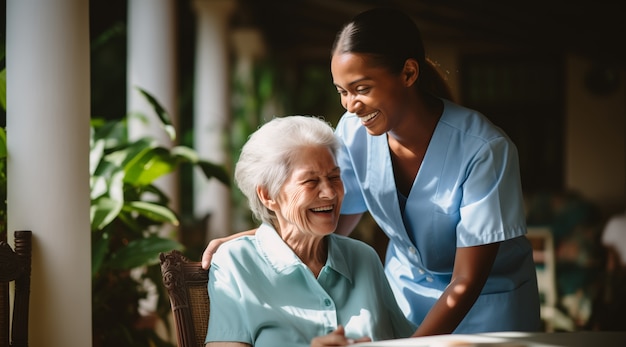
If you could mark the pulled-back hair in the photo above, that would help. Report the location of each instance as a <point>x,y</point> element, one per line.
<point>266,158</point>
<point>389,37</point>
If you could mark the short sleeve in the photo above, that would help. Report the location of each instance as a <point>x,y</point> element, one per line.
<point>353,201</point>
<point>492,207</point>
<point>231,324</point>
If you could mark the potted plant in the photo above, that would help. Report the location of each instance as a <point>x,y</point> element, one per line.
<point>128,214</point>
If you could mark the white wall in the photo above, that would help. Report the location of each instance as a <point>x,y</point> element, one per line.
<point>595,131</point>
<point>595,141</point>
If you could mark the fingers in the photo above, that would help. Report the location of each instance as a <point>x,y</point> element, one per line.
<point>207,255</point>
<point>336,338</point>
<point>212,247</point>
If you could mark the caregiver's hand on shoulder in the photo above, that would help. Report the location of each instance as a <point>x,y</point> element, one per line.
<point>212,247</point>
<point>336,338</point>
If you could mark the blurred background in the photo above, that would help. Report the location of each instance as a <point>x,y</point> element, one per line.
<point>550,73</point>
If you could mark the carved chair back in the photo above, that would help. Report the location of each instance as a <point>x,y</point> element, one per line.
<point>186,284</point>
<point>15,266</point>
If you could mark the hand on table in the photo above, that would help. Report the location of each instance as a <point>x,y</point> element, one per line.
<point>336,338</point>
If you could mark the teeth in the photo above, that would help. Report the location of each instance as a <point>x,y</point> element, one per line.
<point>369,116</point>
<point>322,209</point>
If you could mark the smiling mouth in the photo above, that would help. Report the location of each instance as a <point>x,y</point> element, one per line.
<point>323,208</point>
<point>368,117</point>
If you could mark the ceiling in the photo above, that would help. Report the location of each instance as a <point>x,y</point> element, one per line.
<point>593,29</point>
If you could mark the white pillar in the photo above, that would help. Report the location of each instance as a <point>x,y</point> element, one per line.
<point>212,109</point>
<point>249,47</point>
<point>48,112</point>
<point>151,65</point>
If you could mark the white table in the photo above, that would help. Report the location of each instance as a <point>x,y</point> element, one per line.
<point>511,339</point>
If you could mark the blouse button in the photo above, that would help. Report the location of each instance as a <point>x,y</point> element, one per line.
<point>421,271</point>
<point>327,302</point>
<point>429,279</point>
<point>412,250</point>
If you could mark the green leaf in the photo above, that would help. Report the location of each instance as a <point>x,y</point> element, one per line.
<point>116,186</point>
<point>161,113</point>
<point>115,31</point>
<point>106,168</point>
<point>106,208</point>
<point>142,252</point>
<point>122,156</point>
<point>135,227</point>
<point>99,249</point>
<point>156,195</point>
<point>185,153</point>
<point>213,170</point>
<point>143,161</point>
<point>148,165</point>
<point>152,211</point>
<point>3,143</point>
<point>114,133</point>
<point>98,187</point>
<point>96,153</point>
<point>103,211</point>
<point>3,89</point>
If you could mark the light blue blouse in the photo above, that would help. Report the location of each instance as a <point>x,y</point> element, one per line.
<point>467,192</point>
<point>263,295</point>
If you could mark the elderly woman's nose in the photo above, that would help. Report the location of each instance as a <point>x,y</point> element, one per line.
<point>327,190</point>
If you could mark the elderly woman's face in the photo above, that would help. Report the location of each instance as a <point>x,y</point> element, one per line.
<point>310,198</point>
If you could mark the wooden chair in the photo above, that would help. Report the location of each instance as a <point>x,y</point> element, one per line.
<point>15,267</point>
<point>542,241</point>
<point>186,284</point>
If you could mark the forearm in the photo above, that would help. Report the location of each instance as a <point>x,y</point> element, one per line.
<point>472,266</point>
<point>215,244</point>
<point>450,309</point>
<point>241,233</point>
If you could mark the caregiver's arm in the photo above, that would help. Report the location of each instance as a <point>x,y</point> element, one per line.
<point>472,266</point>
<point>346,224</point>
<point>214,244</point>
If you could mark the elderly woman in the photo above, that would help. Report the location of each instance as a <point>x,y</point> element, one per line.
<point>294,280</point>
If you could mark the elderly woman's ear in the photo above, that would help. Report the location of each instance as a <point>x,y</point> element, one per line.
<point>265,198</point>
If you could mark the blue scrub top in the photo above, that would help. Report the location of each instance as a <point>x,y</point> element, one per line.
<point>263,295</point>
<point>467,192</point>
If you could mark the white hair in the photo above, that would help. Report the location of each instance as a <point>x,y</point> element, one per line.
<point>265,159</point>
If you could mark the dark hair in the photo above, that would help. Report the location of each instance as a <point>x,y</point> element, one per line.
<point>390,37</point>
